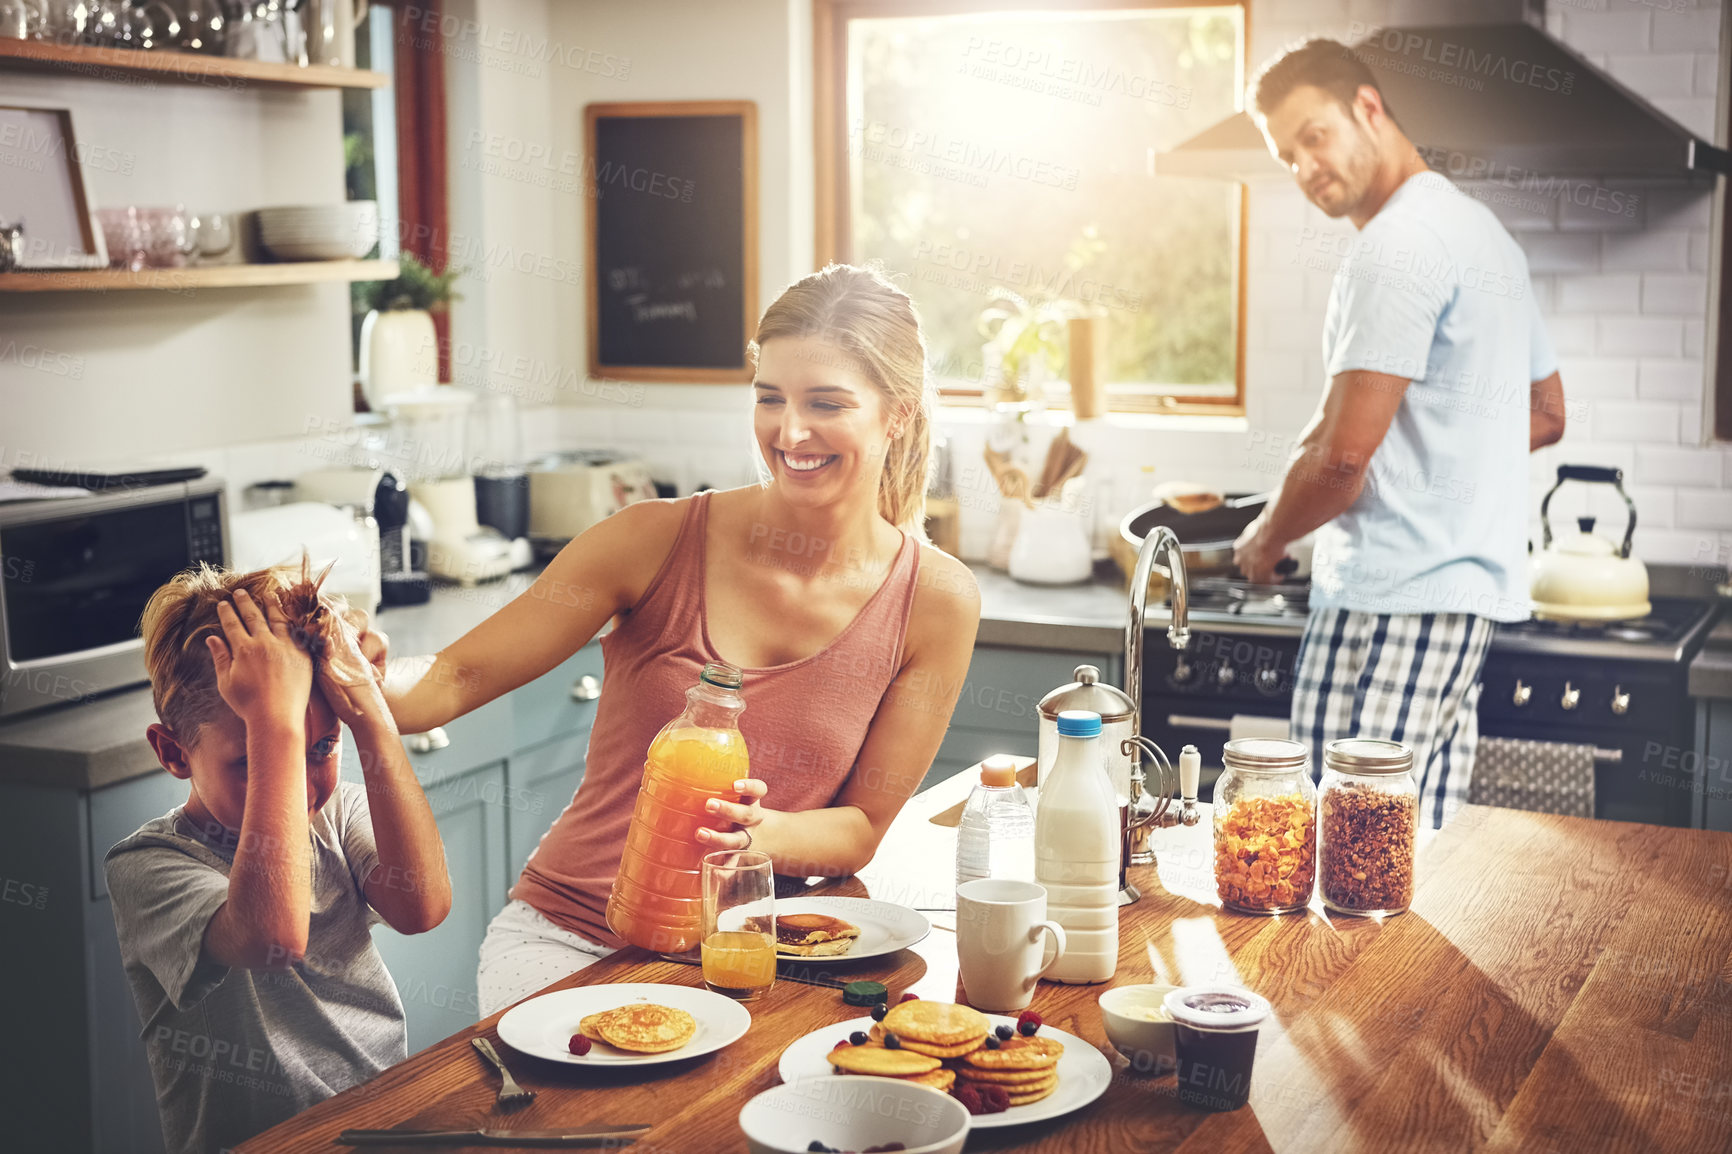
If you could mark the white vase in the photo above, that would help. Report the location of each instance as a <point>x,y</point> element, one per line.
<point>399,352</point>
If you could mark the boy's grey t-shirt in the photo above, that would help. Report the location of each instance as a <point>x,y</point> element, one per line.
<point>233,1052</point>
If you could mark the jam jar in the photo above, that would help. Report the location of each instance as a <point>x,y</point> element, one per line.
<point>1368,819</point>
<point>1265,827</point>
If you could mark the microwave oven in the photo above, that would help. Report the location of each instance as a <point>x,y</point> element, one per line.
<point>75,574</point>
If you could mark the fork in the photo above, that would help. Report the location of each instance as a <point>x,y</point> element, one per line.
<point>510,1093</point>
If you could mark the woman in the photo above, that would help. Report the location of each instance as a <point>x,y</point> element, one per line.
<point>854,634</point>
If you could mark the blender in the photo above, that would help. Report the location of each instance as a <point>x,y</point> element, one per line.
<point>427,446</point>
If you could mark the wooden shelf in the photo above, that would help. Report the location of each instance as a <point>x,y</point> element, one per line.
<point>131,65</point>
<point>197,276</point>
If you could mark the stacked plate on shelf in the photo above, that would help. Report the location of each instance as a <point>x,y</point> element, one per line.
<point>346,231</point>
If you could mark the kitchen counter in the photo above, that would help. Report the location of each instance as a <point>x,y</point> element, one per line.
<point>101,742</point>
<point>1711,671</point>
<point>1537,997</point>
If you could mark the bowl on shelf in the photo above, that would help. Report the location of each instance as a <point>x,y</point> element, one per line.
<point>852,1112</point>
<point>346,231</point>
<point>1139,1027</point>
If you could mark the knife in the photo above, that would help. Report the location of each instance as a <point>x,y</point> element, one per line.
<point>598,1135</point>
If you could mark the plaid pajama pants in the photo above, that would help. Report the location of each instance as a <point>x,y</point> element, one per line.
<point>1412,678</point>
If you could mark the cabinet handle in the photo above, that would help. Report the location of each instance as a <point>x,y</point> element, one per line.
<point>586,688</point>
<point>427,742</point>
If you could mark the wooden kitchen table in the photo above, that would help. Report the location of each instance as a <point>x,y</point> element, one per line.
<point>1560,985</point>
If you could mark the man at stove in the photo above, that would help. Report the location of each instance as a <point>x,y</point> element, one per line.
<point>1413,471</point>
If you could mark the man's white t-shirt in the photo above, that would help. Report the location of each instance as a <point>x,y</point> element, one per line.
<point>1436,291</point>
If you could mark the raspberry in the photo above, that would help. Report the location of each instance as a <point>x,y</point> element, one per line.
<point>970,1097</point>
<point>909,998</point>
<point>994,1099</point>
<point>839,1045</point>
<point>1027,1023</point>
<point>579,1045</point>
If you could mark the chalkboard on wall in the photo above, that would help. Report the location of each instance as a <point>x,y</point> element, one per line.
<point>673,239</point>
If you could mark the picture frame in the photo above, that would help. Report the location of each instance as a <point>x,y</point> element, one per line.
<point>42,189</point>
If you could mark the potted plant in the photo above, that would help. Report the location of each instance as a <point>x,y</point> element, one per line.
<point>1027,341</point>
<point>399,349</point>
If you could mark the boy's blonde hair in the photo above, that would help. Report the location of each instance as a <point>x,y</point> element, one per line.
<point>182,613</point>
<point>876,328</point>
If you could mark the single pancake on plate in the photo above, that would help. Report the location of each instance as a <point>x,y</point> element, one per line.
<point>1018,1053</point>
<point>1006,1078</point>
<point>870,1059</point>
<point>936,1023</point>
<point>956,1051</point>
<point>809,935</point>
<point>645,1027</point>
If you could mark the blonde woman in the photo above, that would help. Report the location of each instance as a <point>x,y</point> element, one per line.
<point>854,634</point>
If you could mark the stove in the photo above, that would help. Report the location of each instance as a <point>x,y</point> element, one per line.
<point>1619,686</point>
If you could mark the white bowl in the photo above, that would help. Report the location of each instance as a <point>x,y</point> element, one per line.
<point>1147,1044</point>
<point>852,1112</point>
<point>320,231</point>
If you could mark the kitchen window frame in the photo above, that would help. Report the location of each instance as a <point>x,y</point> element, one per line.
<point>832,241</point>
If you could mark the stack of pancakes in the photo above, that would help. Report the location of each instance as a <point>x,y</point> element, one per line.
<point>941,1041</point>
<point>1024,1068</point>
<point>642,1027</point>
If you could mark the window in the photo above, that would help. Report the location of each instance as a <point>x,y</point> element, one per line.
<point>971,151</point>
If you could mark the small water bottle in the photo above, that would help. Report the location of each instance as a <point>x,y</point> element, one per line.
<point>995,838</point>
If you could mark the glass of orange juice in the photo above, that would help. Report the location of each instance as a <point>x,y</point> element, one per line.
<point>739,942</point>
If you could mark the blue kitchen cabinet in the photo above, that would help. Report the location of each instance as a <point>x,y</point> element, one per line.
<point>551,720</point>
<point>76,1063</point>
<point>461,767</point>
<point>435,972</point>
<point>998,710</point>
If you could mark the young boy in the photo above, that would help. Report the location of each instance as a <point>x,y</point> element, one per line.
<point>243,915</point>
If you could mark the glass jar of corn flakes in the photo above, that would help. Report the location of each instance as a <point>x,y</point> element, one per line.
<point>1265,827</point>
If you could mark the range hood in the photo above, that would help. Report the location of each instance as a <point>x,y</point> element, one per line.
<point>1488,102</point>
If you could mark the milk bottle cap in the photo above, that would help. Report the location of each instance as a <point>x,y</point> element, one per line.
<point>1079,723</point>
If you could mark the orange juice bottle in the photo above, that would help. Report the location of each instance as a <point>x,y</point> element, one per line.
<point>658,899</point>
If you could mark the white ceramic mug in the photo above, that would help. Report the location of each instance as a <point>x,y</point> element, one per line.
<point>999,923</point>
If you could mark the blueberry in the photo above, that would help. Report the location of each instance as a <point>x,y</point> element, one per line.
<point>1027,1029</point>
<point>992,1042</point>
<point>892,1042</point>
<point>1004,1033</point>
<point>857,1038</point>
<point>879,1011</point>
<point>818,1147</point>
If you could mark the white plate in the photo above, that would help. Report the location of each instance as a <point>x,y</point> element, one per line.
<point>884,926</point>
<point>1083,1071</point>
<point>542,1027</point>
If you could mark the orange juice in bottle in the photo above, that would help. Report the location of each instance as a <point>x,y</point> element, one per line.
<point>657,900</point>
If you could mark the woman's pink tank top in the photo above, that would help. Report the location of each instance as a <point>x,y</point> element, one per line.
<point>804,722</point>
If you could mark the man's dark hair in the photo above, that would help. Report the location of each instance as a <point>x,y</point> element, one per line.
<point>1325,64</point>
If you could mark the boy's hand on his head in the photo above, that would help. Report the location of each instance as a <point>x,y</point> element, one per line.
<point>260,671</point>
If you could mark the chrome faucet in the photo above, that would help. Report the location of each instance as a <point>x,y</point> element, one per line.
<point>1179,637</point>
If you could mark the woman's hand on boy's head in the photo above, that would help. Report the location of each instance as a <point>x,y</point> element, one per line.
<point>350,681</point>
<point>373,641</point>
<point>260,672</point>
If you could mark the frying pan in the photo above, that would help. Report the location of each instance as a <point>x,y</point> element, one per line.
<point>1207,537</point>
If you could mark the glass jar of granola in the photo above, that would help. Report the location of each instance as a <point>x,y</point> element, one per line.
<point>1369,819</point>
<point>1265,827</point>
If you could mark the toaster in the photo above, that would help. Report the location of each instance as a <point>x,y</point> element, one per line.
<point>572,490</point>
